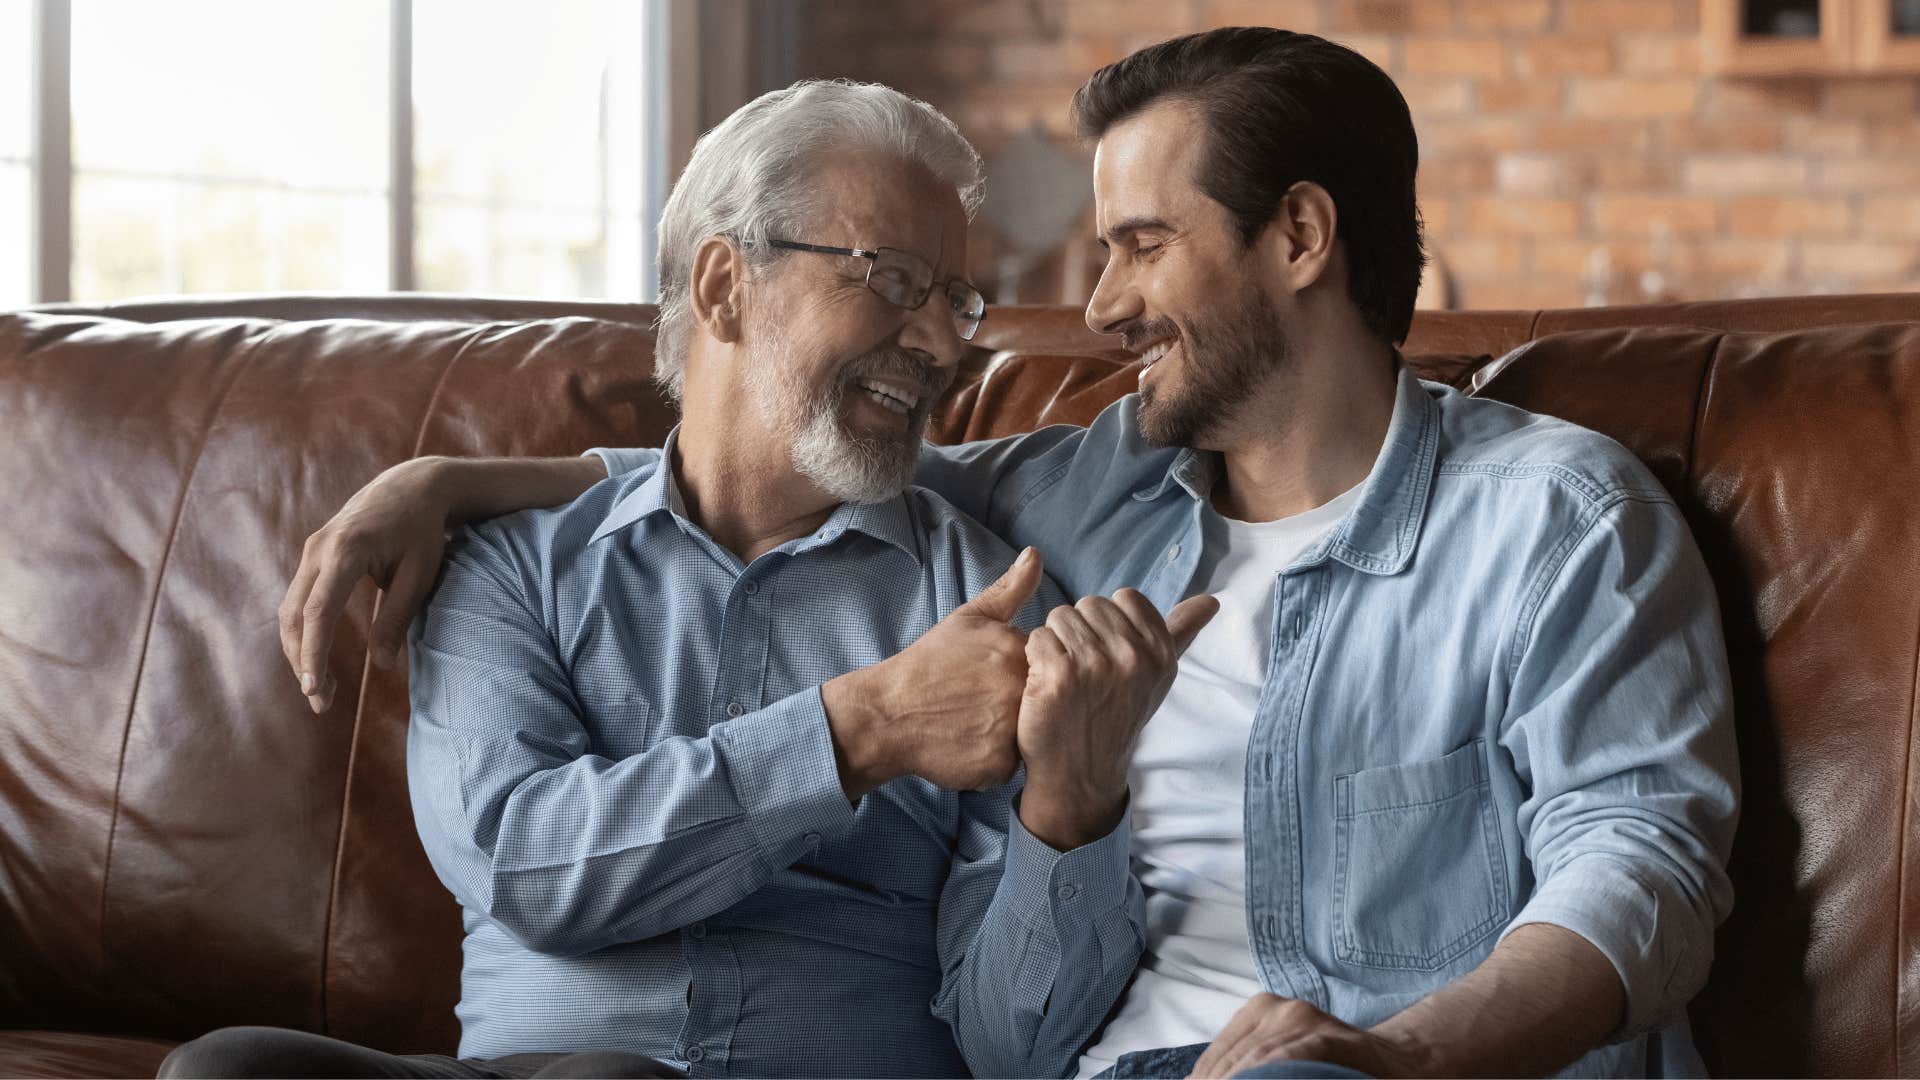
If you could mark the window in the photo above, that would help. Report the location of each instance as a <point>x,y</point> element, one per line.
<point>527,146</point>
<point>240,146</point>
<point>213,154</point>
<point>16,74</point>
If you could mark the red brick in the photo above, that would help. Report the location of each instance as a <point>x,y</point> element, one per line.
<point>1771,215</point>
<point>1890,215</point>
<point>1519,95</point>
<point>1891,139</point>
<point>1774,97</point>
<point>1617,136</point>
<point>1434,97</point>
<point>1636,173</point>
<point>1507,15</point>
<point>1743,259</point>
<point>1454,56</point>
<point>1745,172</point>
<point>1466,172</point>
<point>1482,132</point>
<point>1665,54</point>
<point>1519,294</point>
<point>1634,97</point>
<point>1631,15</point>
<point>1887,98</point>
<point>1652,213</point>
<point>1868,175</point>
<point>1736,134</point>
<point>1826,135</point>
<point>1575,258</point>
<point>1160,18</point>
<point>1286,14</point>
<point>1563,55</point>
<point>1523,216</point>
<point>1437,215</point>
<point>1481,258</point>
<point>1383,49</point>
<point>1859,263</point>
<point>1542,174</point>
<point>1393,16</point>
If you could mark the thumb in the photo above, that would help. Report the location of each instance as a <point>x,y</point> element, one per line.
<point>1186,619</point>
<point>1003,599</point>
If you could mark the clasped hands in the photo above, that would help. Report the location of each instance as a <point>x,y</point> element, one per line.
<point>975,697</point>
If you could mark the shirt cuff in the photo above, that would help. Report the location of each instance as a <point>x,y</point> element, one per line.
<point>1602,899</point>
<point>1053,888</point>
<point>781,765</point>
<point>619,459</point>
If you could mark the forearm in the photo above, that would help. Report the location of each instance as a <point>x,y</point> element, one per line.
<point>1542,999</point>
<point>474,489</point>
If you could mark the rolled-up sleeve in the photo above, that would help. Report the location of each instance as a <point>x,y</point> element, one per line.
<point>1621,724</point>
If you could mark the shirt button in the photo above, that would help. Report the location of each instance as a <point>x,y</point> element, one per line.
<point>1173,552</point>
<point>698,930</point>
<point>750,588</point>
<point>734,708</point>
<point>1066,892</point>
<point>812,839</point>
<point>695,1054</point>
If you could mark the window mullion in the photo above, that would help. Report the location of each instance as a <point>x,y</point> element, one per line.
<point>401,276</point>
<point>52,151</point>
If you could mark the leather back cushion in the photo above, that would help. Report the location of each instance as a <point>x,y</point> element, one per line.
<point>185,846</point>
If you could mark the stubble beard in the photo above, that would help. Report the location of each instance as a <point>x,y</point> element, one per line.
<point>1224,359</point>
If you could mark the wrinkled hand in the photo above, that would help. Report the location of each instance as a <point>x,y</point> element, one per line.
<point>393,531</point>
<point>944,708</point>
<point>1096,673</point>
<point>1269,1027</point>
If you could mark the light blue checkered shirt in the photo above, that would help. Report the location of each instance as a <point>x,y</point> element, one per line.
<point>621,766</point>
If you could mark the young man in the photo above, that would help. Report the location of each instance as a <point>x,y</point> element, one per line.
<point>1449,784</point>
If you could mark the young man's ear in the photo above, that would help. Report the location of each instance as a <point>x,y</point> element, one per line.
<point>1300,238</point>
<point>717,288</point>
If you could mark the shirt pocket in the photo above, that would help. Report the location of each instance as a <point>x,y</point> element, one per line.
<point>1419,877</point>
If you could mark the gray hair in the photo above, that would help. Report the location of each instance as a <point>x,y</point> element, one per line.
<point>751,178</point>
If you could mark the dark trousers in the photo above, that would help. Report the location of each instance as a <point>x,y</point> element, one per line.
<point>1178,1061</point>
<point>279,1052</point>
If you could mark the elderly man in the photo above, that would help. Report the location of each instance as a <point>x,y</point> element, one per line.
<point>714,756</point>
<point>1448,785</point>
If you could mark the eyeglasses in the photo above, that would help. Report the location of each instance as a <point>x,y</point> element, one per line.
<point>906,280</point>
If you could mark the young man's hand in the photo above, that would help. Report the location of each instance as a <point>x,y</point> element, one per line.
<point>1270,1027</point>
<point>1096,673</point>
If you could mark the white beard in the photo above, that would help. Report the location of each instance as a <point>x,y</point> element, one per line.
<point>845,467</point>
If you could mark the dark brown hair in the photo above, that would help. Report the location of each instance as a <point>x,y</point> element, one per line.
<point>1282,107</point>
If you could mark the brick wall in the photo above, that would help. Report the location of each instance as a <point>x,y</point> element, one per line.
<point>1571,150</point>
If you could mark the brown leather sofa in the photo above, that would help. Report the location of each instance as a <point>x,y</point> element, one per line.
<point>183,845</point>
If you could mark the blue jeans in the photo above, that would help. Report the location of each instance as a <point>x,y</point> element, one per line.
<point>1177,1061</point>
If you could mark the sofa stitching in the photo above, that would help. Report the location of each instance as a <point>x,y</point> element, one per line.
<point>359,711</point>
<point>146,634</point>
<point>1903,945</point>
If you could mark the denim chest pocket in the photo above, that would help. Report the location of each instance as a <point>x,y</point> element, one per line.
<point>1419,876</point>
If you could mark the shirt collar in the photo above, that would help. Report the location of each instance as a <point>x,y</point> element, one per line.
<point>657,494</point>
<point>1378,536</point>
<point>891,521</point>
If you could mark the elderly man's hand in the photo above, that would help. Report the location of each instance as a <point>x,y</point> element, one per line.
<point>945,707</point>
<point>1096,673</point>
<point>393,531</point>
<point>1269,1027</point>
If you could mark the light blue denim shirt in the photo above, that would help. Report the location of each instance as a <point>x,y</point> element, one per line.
<point>1497,695</point>
<point>620,765</point>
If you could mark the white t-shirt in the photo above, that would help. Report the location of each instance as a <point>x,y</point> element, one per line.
<point>1188,782</point>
